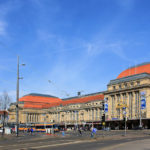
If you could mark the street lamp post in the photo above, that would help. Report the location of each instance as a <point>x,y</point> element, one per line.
<point>140,118</point>
<point>125,124</point>
<point>17,97</point>
<point>125,121</point>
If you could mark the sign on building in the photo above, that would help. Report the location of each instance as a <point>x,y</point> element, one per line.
<point>143,99</point>
<point>143,103</point>
<point>124,112</point>
<point>106,107</point>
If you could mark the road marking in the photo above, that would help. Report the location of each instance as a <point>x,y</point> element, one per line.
<point>31,144</point>
<point>129,139</point>
<point>54,145</point>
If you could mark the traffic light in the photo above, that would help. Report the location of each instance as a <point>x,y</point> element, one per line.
<point>103,106</point>
<point>124,119</point>
<point>103,118</point>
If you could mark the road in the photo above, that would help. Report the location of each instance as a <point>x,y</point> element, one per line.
<point>112,142</point>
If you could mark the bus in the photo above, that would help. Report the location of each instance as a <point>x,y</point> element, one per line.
<point>44,127</point>
<point>39,127</point>
<point>25,127</point>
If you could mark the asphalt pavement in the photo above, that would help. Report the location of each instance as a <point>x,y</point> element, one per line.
<point>103,140</point>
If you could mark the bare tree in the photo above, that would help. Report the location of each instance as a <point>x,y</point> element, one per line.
<point>5,101</point>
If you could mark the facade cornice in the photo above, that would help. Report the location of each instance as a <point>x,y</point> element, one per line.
<point>129,78</point>
<point>128,89</point>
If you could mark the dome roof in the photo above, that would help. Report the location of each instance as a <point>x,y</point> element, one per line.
<point>138,69</point>
<point>35,100</point>
<point>41,101</point>
<point>76,100</point>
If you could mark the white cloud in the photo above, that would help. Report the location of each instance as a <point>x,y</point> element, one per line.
<point>116,47</point>
<point>2,28</point>
<point>5,9</point>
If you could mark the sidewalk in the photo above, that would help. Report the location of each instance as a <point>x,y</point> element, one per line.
<point>134,145</point>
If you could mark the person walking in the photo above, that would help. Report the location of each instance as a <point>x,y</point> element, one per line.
<point>93,133</point>
<point>80,132</point>
<point>31,131</point>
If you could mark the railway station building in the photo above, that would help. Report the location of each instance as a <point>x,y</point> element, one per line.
<point>70,112</point>
<point>127,99</point>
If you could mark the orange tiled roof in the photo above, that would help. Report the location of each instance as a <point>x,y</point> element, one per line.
<point>84,99</point>
<point>2,112</point>
<point>145,68</point>
<point>77,100</point>
<point>38,101</point>
<point>34,104</point>
<point>51,105</point>
<point>43,102</point>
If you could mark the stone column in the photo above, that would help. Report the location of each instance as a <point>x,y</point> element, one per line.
<point>87,114</point>
<point>121,102</point>
<point>134,107</point>
<point>94,114</point>
<point>115,105</point>
<point>127,102</point>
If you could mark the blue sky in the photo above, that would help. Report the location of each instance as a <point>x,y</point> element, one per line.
<point>80,45</point>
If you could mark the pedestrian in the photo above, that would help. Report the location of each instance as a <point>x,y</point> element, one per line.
<point>80,132</point>
<point>63,133</point>
<point>93,131</point>
<point>28,130</point>
<point>31,131</point>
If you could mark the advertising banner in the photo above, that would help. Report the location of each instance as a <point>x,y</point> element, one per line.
<point>143,103</point>
<point>106,107</point>
<point>143,99</point>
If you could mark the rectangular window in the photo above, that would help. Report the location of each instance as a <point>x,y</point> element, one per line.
<point>137,104</point>
<point>92,114</point>
<point>96,114</point>
<point>114,88</point>
<point>119,86</point>
<point>118,113</point>
<point>77,115</point>
<point>74,115</point>
<point>113,105</point>
<point>125,85</point>
<point>118,98</point>
<point>58,117</point>
<point>124,98</point>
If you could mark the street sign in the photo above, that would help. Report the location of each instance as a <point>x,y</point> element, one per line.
<point>114,118</point>
<point>142,93</point>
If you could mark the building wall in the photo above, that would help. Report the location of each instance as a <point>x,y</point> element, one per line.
<point>77,113</point>
<point>69,114</point>
<point>127,94</point>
